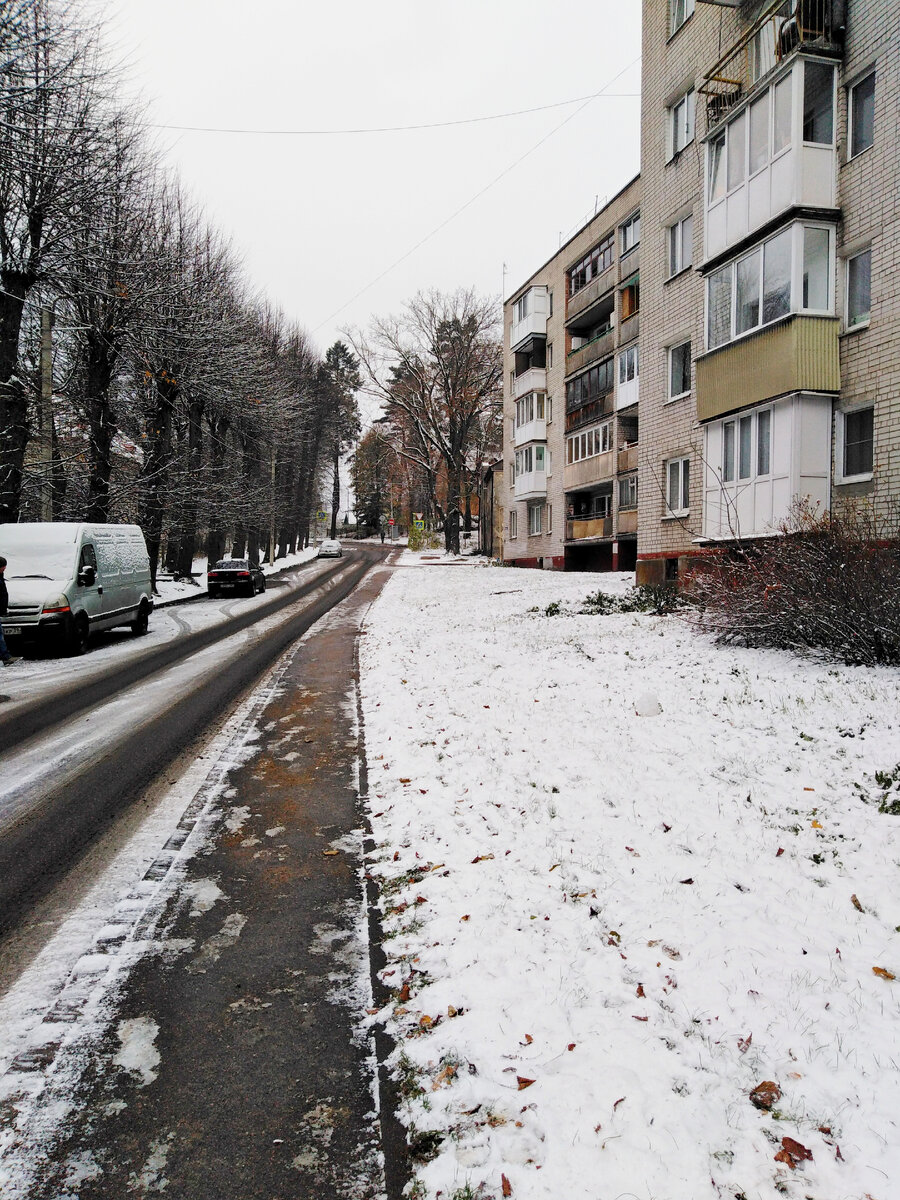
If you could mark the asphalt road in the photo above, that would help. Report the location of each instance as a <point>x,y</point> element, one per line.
<point>205,1040</point>
<point>97,745</point>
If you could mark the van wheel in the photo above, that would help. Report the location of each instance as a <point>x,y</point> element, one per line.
<point>141,621</point>
<point>78,636</point>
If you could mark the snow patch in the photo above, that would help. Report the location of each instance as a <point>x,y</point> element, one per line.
<point>137,1053</point>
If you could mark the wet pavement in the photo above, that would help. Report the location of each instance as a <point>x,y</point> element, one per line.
<point>229,1061</point>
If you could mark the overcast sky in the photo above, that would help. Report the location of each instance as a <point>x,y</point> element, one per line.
<point>323,221</point>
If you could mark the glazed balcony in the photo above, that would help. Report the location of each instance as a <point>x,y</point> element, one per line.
<point>531,431</point>
<point>590,470</point>
<point>531,485</point>
<point>580,305</point>
<point>600,347</point>
<point>529,317</point>
<point>797,354</point>
<point>532,380</point>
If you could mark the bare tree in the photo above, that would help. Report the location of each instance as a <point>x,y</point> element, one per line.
<point>439,369</point>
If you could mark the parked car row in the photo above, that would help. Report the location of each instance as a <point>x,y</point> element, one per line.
<point>69,580</point>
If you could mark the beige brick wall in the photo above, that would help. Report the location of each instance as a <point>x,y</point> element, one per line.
<point>553,275</point>
<point>869,196</point>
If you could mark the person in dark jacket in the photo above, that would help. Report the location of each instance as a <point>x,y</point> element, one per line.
<point>5,657</point>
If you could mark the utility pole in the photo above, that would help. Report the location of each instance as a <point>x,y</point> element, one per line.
<point>46,415</point>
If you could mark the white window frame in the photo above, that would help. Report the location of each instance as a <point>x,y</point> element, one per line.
<point>795,300</point>
<point>548,408</point>
<point>589,443</point>
<point>522,308</point>
<point>737,480</point>
<point>627,357</point>
<point>864,322</point>
<point>679,12</point>
<point>630,234</point>
<point>513,524</point>
<point>682,467</point>
<point>549,528</point>
<point>680,123</point>
<point>672,396</point>
<point>631,483</point>
<point>675,246</point>
<point>840,445</point>
<point>535,518</point>
<point>851,113</point>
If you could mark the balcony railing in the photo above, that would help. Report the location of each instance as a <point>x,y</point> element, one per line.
<point>589,527</point>
<point>532,380</point>
<point>784,26</point>
<point>600,347</point>
<point>531,431</point>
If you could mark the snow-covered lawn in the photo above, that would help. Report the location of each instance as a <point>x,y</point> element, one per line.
<point>605,929</point>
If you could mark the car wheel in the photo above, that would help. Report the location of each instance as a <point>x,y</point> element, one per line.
<point>213,593</point>
<point>262,585</point>
<point>141,622</point>
<point>78,636</point>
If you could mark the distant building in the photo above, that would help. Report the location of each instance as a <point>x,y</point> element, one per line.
<point>571,399</point>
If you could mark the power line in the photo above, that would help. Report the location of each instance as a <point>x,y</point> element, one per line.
<point>487,187</point>
<point>519,112</point>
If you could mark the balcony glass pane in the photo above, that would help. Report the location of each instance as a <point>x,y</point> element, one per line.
<point>763,436</point>
<point>737,133</point>
<point>816,272</point>
<point>687,241</point>
<point>818,103</point>
<point>719,303</point>
<point>777,277</point>
<point>685,483</point>
<point>781,127</point>
<point>759,133</point>
<point>747,293</point>
<point>746,442</point>
<point>674,481</point>
<point>728,451</point>
<point>717,169</point>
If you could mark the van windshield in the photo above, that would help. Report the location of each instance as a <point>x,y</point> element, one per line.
<point>33,552</point>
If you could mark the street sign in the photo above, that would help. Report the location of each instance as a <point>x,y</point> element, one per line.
<point>418,525</point>
<point>391,521</point>
<point>321,515</point>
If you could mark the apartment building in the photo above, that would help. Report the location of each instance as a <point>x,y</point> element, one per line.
<point>571,400</point>
<point>770,361</point>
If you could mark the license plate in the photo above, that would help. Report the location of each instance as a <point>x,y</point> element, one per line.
<point>12,630</point>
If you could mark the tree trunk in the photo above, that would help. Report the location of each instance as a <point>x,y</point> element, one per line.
<point>99,370</point>
<point>156,464</point>
<point>253,545</point>
<point>239,542</point>
<point>13,397</point>
<point>188,521</point>
<point>335,491</point>
<point>451,519</point>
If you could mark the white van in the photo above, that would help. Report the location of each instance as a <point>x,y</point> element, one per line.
<point>68,580</point>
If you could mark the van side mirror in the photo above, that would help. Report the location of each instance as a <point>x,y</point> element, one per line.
<point>87,576</point>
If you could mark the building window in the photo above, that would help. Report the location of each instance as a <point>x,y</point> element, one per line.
<point>631,298</point>
<point>680,123</point>
<point>628,492</point>
<point>818,102</point>
<point>631,233</point>
<point>628,364</point>
<point>678,486</point>
<point>549,409</point>
<point>512,474</point>
<point>594,383</point>
<point>754,139</point>
<point>755,289</point>
<point>550,304</point>
<point>589,444</point>
<point>716,169</point>
<point>679,10</point>
<point>549,355</point>
<point>679,370</point>
<point>549,518</point>
<point>859,289</point>
<point>530,458</point>
<point>522,307</point>
<point>858,442</point>
<point>513,523</point>
<point>593,264</point>
<point>535,513</point>
<point>747,446</point>
<point>862,115</point>
<point>681,245</point>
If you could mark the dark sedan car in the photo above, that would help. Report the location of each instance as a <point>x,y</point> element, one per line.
<point>235,577</point>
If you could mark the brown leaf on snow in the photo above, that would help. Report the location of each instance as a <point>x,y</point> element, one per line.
<point>330,852</point>
<point>571,1046</point>
<point>634,1018</point>
<point>882,973</point>
<point>403,994</point>
<point>793,1153</point>
<point>405,780</point>
<point>779,852</point>
<point>482,858</point>
<point>467,917</point>
<point>745,1043</point>
<point>505,1185</point>
<point>765,1094</point>
<point>854,900</point>
<point>685,881</point>
<point>523,1082</point>
<point>528,1040</point>
<point>640,990</point>
<point>446,1076</point>
<point>621,1100</point>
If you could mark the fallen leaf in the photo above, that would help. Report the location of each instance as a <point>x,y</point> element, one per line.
<point>523,1082</point>
<point>467,917</point>
<point>837,1154</point>
<point>403,994</point>
<point>447,1075</point>
<point>571,1046</point>
<point>825,1129</point>
<point>426,1022</point>
<point>685,881</point>
<point>765,1094</point>
<point>744,1043</point>
<point>634,1018</point>
<point>330,852</point>
<point>505,1185</point>
<point>856,904</point>
<point>816,825</point>
<point>528,1040</point>
<point>779,852</point>
<point>794,1075</point>
<point>621,1100</point>
<point>406,781</point>
<point>882,973</point>
<point>482,858</point>
<point>666,827</point>
<point>640,990</point>
<point>793,1153</point>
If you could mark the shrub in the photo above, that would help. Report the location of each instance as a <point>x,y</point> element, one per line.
<point>826,582</point>
<point>661,599</point>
